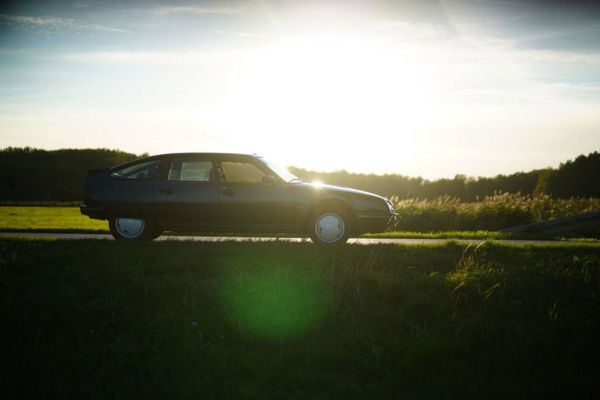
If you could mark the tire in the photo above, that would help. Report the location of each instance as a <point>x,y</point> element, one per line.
<point>130,229</point>
<point>329,227</point>
<point>156,233</point>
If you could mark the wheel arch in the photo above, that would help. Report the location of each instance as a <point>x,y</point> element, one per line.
<point>331,204</point>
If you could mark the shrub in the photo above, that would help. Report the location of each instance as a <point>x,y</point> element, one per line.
<point>502,210</point>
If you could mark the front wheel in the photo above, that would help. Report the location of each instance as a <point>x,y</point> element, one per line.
<point>329,228</point>
<point>130,229</point>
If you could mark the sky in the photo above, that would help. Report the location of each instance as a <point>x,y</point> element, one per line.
<point>428,88</point>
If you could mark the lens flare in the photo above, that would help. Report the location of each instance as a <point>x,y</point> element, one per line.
<point>275,304</point>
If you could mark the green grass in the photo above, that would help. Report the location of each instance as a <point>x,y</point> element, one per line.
<point>69,219</point>
<point>492,213</point>
<point>40,203</point>
<point>477,235</point>
<point>439,235</point>
<point>103,319</point>
<point>24,218</point>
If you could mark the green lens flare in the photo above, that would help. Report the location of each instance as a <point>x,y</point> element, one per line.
<point>275,304</point>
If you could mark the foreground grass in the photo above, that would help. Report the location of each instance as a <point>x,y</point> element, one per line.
<point>280,320</point>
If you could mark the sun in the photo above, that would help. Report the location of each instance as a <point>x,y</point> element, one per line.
<point>327,91</point>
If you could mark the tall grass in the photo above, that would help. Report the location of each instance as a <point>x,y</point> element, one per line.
<point>443,214</point>
<point>492,213</point>
<point>99,319</point>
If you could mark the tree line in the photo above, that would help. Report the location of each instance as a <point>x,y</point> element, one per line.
<point>28,174</point>
<point>574,178</point>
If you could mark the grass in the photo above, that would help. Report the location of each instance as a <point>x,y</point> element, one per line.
<point>69,219</point>
<point>439,235</point>
<point>40,203</point>
<point>491,213</point>
<point>105,319</point>
<point>63,219</point>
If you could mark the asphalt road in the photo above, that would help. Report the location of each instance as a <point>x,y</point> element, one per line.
<point>362,241</point>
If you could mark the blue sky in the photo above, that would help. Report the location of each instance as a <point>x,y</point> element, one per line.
<point>428,88</point>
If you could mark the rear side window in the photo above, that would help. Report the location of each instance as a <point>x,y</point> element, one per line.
<point>144,170</point>
<point>196,171</point>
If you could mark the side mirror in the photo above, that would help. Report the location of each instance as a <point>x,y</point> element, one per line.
<point>269,180</point>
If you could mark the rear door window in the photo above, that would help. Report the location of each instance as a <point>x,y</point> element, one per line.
<point>190,170</point>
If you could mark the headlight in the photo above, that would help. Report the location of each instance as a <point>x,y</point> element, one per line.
<point>390,206</point>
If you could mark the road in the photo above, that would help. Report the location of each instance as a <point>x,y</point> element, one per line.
<point>362,241</point>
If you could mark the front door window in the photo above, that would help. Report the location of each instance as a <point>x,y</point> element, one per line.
<point>241,172</point>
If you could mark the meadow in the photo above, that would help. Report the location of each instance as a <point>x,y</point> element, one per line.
<point>103,319</point>
<point>443,217</point>
<point>59,218</point>
<point>490,213</point>
<point>47,219</point>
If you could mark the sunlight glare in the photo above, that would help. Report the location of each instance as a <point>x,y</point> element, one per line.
<point>330,92</point>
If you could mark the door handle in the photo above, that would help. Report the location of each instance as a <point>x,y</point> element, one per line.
<point>227,191</point>
<point>167,190</point>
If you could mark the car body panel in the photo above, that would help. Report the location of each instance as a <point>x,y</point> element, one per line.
<point>251,204</point>
<point>185,204</point>
<point>132,199</point>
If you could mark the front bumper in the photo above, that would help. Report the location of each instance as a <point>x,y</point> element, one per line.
<point>374,223</point>
<point>94,212</point>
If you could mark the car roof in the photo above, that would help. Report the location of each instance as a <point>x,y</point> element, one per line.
<point>167,155</point>
<point>205,154</point>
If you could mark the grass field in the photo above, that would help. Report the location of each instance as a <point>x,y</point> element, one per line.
<point>100,319</point>
<point>492,213</point>
<point>69,219</point>
<point>439,235</point>
<point>49,218</point>
<point>24,218</point>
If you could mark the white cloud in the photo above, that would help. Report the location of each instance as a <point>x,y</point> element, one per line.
<point>153,57</point>
<point>49,24</point>
<point>559,56</point>
<point>196,10</point>
<point>410,30</point>
<point>241,34</point>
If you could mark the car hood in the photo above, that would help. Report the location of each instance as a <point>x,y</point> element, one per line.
<point>332,188</point>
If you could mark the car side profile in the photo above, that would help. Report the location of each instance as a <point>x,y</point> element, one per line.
<point>219,192</point>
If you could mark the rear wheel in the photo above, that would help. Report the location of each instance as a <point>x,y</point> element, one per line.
<point>131,229</point>
<point>330,228</point>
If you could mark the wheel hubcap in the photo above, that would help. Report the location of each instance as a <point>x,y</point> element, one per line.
<point>129,227</point>
<point>330,227</point>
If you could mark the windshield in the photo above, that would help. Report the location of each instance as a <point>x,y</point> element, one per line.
<point>281,171</point>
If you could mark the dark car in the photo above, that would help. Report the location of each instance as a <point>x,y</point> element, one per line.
<point>216,192</point>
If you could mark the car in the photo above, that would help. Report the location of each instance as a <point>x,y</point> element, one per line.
<point>225,192</point>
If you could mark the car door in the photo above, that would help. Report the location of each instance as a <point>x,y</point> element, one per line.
<point>252,199</point>
<point>131,189</point>
<point>186,193</point>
